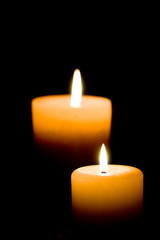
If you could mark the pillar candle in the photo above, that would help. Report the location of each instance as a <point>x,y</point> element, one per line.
<point>101,197</point>
<point>71,132</point>
<point>68,131</point>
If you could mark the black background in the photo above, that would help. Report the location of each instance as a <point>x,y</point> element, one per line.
<point>43,51</point>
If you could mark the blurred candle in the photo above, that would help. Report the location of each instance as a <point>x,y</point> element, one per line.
<point>106,194</point>
<point>68,131</point>
<point>70,128</point>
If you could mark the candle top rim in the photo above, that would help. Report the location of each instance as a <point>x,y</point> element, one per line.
<point>63,100</point>
<point>52,96</point>
<point>114,170</point>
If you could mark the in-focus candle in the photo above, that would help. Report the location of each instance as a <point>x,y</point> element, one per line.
<point>103,195</point>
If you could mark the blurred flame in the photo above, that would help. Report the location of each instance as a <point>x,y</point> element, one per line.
<point>76,94</point>
<point>103,160</point>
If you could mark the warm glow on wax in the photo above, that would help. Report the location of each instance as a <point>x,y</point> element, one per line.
<point>76,94</point>
<point>103,160</point>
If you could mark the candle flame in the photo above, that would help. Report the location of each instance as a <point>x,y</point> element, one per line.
<point>103,160</point>
<point>76,94</point>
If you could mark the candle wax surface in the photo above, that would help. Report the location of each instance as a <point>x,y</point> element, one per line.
<point>68,133</point>
<point>68,137</point>
<point>99,198</point>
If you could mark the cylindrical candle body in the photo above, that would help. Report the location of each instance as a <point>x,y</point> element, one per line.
<point>73,135</point>
<point>69,138</point>
<point>100,199</point>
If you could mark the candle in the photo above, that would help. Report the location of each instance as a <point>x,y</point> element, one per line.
<point>70,129</point>
<point>106,194</point>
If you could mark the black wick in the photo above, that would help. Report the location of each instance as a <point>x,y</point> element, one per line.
<point>103,172</point>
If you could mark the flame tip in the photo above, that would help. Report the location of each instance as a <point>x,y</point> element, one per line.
<point>77,70</point>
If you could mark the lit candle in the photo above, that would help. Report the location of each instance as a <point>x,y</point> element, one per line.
<point>106,194</point>
<point>71,128</point>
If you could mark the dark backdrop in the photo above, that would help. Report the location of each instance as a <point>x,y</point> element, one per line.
<point>42,59</point>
